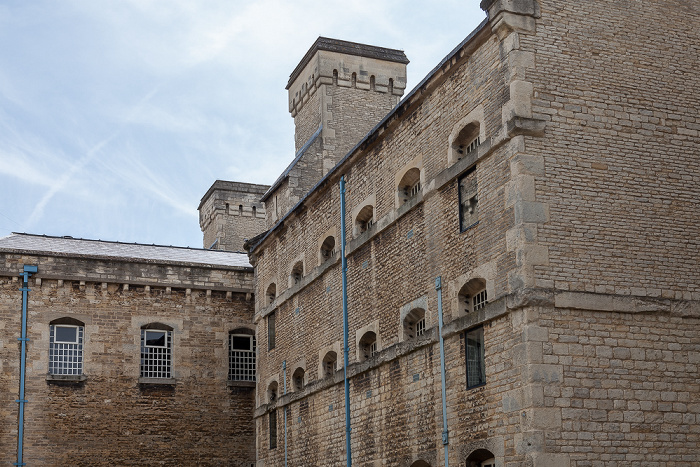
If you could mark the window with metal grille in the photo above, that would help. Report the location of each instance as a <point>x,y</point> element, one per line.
<point>241,357</point>
<point>479,300</point>
<point>368,346</point>
<point>330,361</point>
<point>415,189</point>
<point>373,349</point>
<point>409,187</point>
<point>156,353</point>
<point>66,349</point>
<point>473,145</point>
<point>476,368</point>
<point>420,327</point>
<point>298,379</point>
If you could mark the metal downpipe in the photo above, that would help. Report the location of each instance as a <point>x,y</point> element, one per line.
<point>346,349</point>
<point>28,271</point>
<point>445,432</point>
<point>284,378</point>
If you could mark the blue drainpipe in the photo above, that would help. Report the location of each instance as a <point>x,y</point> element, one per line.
<point>346,349</point>
<point>284,378</point>
<point>445,433</point>
<point>28,271</point>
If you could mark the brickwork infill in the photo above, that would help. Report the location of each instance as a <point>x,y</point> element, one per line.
<point>111,419</point>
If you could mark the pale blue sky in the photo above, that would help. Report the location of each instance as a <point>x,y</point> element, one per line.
<point>117,116</point>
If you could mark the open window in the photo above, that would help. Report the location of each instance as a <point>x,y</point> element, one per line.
<point>241,355</point>
<point>270,294</point>
<point>156,351</point>
<point>66,346</point>
<point>414,323</point>
<point>297,274</point>
<point>368,346</point>
<point>330,364</point>
<point>298,380</point>
<point>472,296</point>
<point>364,220</point>
<point>409,186</point>
<point>328,249</point>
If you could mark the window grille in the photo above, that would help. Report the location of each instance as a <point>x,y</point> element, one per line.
<point>372,349</point>
<point>370,223</point>
<point>420,327</point>
<point>329,366</point>
<point>66,350</point>
<point>156,348</point>
<point>414,190</point>
<point>479,300</point>
<point>476,368</point>
<point>473,145</point>
<point>241,357</point>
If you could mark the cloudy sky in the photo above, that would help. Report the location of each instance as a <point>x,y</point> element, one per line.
<point>117,115</point>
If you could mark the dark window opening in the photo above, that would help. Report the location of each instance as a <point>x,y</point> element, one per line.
<point>476,368</point>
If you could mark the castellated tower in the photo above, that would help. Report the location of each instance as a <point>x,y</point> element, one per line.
<point>337,93</point>
<point>230,213</point>
<point>345,89</point>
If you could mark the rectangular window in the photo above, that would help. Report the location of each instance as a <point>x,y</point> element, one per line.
<point>65,350</point>
<point>271,331</point>
<point>156,348</point>
<point>468,200</point>
<point>273,429</point>
<point>476,368</point>
<point>479,300</point>
<point>241,357</point>
<point>373,349</point>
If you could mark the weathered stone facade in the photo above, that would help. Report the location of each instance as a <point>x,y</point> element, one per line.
<point>549,163</point>
<point>108,413</point>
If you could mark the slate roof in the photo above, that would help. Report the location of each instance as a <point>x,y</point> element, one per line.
<point>69,246</point>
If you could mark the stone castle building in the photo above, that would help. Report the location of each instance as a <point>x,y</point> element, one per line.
<point>522,259</point>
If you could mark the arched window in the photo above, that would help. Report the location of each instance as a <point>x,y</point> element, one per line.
<point>420,463</point>
<point>335,77</point>
<point>409,186</point>
<point>368,346</point>
<point>364,219</point>
<point>240,209</point>
<point>270,294</point>
<point>66,346</point>
<point>330,364</point>
<point>241,355</point>
<point>156,350</point>
<point>254,211</point>
<point>298,379</point>
<point>272,392</point>
<point>472,296</point>
<point>297,273</point>
<point>481,458</point>
<point>414,323</point>
<point>328,248</point>
<point>467,141</point>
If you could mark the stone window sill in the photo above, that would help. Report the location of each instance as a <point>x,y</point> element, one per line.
<point>240,384</point>
<point>67,378</point>
<point>161,381</point>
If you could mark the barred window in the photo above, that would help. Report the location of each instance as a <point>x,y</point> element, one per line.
<point>368,346</point>
<point>241,357</point>
<point>409,186</point>
<point>66,349</point>
<point>472,295</point>
<point>156,351</point>
<point>476,367</point>
<point>414,323</point>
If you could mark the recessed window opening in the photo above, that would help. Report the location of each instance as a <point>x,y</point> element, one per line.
<point>328,248</point>
<point>156,351</point>
<point>227,209</point>
<point>335,77</point>
<point>330,362</point>
<point>476,368</point>
<point>271,331</point>
<point>297,273</point>
<point>273,429</point>
<point>368,346</point>
<point>66,347</point>
<point>272,392</point>
<point>391,85</point>
<point>467,141</point>
<point>254,211</point>
<point>372,83</point>
<point>298,379</point>
<point>409,186</point>
<point>481,458</point>
<point>270,294</point>
<point>414,323</point>
<point>365,219</point>
<point>241,356</point>
<point>472,296</point>
<point>240,209</point>
<point>353,80</point>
